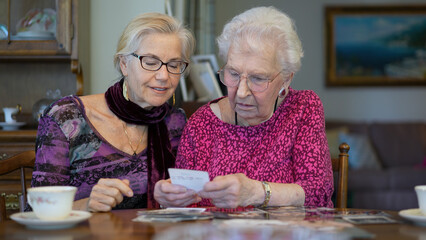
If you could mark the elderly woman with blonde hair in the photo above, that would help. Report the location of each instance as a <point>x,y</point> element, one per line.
<point>264,144</point>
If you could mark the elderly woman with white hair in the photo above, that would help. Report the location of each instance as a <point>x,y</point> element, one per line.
<point>264,144</point>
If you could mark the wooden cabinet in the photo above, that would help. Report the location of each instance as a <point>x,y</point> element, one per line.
<point>12,143</point>
<point>34,62</point>
<point>30,42</point>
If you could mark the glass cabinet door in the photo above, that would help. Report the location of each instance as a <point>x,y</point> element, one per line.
<point>41,27</point>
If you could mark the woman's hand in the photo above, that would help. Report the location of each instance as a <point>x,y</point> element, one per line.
<point>172,195</point>
<point>108,193</point>
<point>231,191</point>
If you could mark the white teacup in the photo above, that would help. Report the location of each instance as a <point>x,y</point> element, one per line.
<point>421,197</point>
<point>9,112</point>
<point>51,202</point>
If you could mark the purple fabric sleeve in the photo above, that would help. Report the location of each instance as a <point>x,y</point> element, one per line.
<point>52,154</point>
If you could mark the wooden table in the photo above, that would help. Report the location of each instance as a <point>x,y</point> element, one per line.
<point>118,224</point>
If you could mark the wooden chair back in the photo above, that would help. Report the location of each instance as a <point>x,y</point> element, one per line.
<point>340,166</point>
<point>21,161</point>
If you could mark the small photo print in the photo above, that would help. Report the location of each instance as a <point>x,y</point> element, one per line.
<point>369,219</point>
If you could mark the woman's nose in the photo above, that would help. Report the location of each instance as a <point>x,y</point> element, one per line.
<point>162,73</point>
<point>243,88</point>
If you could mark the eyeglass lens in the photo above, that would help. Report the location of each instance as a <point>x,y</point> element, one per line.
<point>154,64</point>
<point>231,79</point>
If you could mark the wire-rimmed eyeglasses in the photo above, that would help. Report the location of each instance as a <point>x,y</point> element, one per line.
<point>153,64</point>
<point>256,83</point>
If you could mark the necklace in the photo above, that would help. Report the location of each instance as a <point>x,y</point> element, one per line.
<point>130,143</point>
<point>275,108</point>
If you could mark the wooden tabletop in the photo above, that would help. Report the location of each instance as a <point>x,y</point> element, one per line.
<point>118,224</point>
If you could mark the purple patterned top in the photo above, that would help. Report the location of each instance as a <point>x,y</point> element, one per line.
<point>69,151</point>
<point>290,147</point>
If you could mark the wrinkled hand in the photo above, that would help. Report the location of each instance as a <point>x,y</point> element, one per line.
<point>108,193</point>
<point>230,191</point>
<point>172,195</point>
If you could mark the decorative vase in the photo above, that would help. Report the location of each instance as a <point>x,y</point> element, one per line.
<point>42,104</point>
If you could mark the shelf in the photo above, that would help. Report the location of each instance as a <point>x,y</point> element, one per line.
<point>18,136</point>
<point>23,58</point>
<point>29,67</point>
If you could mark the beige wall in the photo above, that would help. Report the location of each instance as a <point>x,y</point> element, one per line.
<point>108,18</point>
<point>105,22</point>
<point>347,103</point>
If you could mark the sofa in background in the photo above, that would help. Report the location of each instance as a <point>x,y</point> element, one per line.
<point>386,161</point>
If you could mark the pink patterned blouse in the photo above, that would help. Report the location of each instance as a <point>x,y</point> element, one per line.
<point>291,147</point>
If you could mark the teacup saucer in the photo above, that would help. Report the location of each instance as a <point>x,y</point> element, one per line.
<point>11,126</point>
<point>30,220</point>
<point>414,215</point>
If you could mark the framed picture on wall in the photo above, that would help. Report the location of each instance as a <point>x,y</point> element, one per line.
<point>375,45</point>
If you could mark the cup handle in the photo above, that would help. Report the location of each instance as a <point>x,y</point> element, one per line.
<point>29,200</point>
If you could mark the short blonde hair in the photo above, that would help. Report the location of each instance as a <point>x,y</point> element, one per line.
<point>262,27</point>
<point>148,23</point>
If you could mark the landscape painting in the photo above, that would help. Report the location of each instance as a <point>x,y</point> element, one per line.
<point>376,45</point>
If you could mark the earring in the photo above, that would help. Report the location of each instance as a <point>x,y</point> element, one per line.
<point>174,99</point>
<point>285,90</point>
<point>125,91</point>
<point>281,92</point>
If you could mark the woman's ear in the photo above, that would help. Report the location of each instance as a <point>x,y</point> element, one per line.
<point>284,87</point>
<point>287,81</point>
<point>123,65</point>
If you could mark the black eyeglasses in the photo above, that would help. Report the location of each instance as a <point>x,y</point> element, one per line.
<point>153,64</point>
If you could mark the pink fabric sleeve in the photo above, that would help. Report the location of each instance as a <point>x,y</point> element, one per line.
<point>312,163</point>
<point>186,151</point>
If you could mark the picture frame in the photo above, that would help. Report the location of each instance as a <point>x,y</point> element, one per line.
<point>196,59</point>
<point>375,45</point>
<point>204,82</point>
<point>210,58</point>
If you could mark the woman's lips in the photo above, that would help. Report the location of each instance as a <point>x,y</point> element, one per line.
<point>159,89</point>
<point>244,106</point>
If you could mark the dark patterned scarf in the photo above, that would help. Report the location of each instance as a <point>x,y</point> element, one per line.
<point>160,156</point>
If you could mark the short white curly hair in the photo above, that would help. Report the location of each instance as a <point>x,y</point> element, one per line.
<point>261,28</point>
